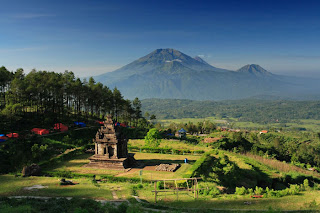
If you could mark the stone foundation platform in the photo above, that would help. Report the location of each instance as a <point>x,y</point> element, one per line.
<point>103,162</point>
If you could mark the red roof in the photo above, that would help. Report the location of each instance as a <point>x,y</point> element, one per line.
<point>264,131</point>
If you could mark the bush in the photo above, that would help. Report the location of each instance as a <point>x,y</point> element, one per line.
<point>241,191</point>
<point>214,192</point>
<point>306,184</point>
<point>258,190</point>
<point>160,185</point>
<point>200,167</point>
<point>208,188</point>
<point>152,138</point>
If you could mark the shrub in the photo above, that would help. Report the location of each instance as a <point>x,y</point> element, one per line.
<point>258,190</point>
<point>241,191</point>
<point>214,192</point>
<point>306,184</point>
<point>152,138</point>
<point>139,186</point>
<point>250,191</point>
<point>294,189</point>
<point>160,185</point>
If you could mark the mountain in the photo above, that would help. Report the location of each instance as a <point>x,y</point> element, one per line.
<point>158,59</point>
<point>200,60</point>
<point>169,73</point>
<point>254,69</point>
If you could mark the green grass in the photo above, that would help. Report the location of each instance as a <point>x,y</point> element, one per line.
<point>147,160</point>
<point>306,200</point>
<point>172,144</point>
<point>13,186</point>
<point>75,165</point>
<point>166,122</point>
<point>150,160</point>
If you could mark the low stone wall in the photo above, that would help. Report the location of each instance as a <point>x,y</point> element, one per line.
<point>167,167</point>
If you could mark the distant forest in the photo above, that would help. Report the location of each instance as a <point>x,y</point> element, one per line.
<point>43,98</point>
<point>254,110</point>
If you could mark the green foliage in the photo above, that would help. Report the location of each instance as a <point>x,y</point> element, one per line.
<point>258,190</point>
<point>241,191</point>
<point>63,205</point>
<point>306,184</point>
<point>134,189</point>
<point>208,188</point>
<point>38,151</point>
<point>200,167</point>
<point>42,98</point>
<point>160,185</point>
<point>294,189</point>
<point>152,138</point>
<point>252,110</point>
<point>164,150</point>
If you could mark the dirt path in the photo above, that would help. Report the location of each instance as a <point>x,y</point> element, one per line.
<point>114,195</point>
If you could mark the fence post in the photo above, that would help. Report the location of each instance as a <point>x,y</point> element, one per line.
<point>155,191</point>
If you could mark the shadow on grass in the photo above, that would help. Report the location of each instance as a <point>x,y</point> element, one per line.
<point>154,162</point>
<point>67,163</point>
<point>240,205</point>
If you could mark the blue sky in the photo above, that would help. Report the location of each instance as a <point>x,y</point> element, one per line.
<point>94,37</point>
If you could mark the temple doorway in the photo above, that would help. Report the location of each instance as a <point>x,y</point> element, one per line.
<point>111,151</point>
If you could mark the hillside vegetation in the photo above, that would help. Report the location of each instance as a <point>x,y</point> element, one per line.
<point>253,110</point>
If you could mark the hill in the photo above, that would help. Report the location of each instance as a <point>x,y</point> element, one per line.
<point>169,73</point>
<point>254,110</point>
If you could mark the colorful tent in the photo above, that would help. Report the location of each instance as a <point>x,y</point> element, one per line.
<point>13,135</point>
<point>3,138</point>
<point>182,130</point>
<point>123,125</point>
<point>80,124</point>
<point>117,124</point>
<point>100,122</point>
<point>61,127</point>
<point>40,131</point>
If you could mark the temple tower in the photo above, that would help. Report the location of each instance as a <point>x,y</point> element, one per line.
<point>110,147</point>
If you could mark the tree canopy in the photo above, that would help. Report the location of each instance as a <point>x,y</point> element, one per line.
<point>152,138</point>
<point>49,97</point>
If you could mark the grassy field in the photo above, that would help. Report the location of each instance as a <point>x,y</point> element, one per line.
<point>76,164</point>
<point>166,122</point>
<point>308,124</point>
<point>14,186</point>
<point>305,201</point>
<point>150,160</point>
<point>172,144</point>
<point>147,162</point>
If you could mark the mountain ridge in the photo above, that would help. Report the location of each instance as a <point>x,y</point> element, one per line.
<point>169,73</point>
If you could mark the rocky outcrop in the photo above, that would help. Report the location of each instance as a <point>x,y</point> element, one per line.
<point>32,170</point>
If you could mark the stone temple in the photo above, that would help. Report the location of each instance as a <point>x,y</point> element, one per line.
<point>111,148</point>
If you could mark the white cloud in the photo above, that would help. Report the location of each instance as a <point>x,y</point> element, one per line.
<point>178,60</point>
